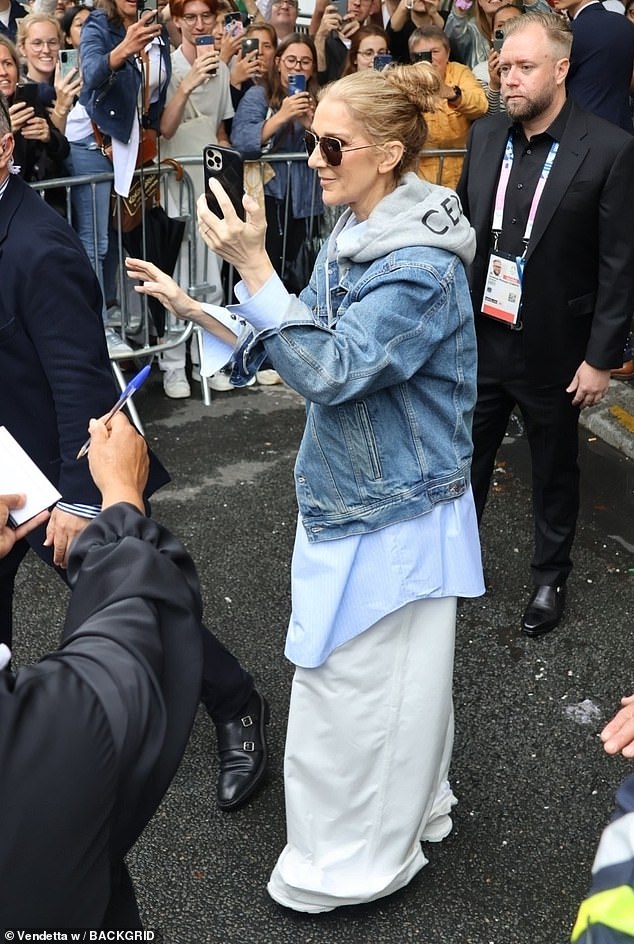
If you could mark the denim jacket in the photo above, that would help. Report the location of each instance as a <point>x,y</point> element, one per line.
<point>111,96</point>
<point>382,345</point>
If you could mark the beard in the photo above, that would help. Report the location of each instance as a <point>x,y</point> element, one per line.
<point>527,110</point>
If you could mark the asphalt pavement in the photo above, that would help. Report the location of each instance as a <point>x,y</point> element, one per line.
<point>535,787</point>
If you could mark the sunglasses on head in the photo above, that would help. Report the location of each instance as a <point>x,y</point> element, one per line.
<point>332,149</point>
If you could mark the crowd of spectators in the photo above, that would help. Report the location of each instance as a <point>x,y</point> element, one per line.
<point>238,95</point>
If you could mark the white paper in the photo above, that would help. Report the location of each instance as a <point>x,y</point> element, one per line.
<point>19,474</point>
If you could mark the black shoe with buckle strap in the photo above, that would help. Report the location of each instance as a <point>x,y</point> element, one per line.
<point>242,752</point>
<point>544,611</point>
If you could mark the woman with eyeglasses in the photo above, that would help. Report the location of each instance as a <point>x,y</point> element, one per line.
<point>40,148</point>
<point>381,344</point>
<point>271,119</point>
<point>40,39</point>
<point>368,42</point>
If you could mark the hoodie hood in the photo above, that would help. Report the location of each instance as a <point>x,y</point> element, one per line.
<point>416,213</point>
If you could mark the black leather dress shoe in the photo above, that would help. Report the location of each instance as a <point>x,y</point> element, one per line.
<point>544,611</point>
<point>242,752</point>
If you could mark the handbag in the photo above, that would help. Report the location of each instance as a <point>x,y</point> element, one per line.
<point>126,213</point>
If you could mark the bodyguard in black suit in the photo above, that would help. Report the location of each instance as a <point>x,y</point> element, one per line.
<point>54,376</point>
<point>92,735</point>
<point>576,292</point>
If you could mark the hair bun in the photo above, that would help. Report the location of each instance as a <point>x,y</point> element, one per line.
<point>419,83</point>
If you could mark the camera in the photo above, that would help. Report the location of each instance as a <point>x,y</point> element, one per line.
<point>498,39</point>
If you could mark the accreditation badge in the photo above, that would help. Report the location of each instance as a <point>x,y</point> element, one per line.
<point>503,290</point>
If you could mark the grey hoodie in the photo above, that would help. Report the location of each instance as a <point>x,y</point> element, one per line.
<point>416,213</point>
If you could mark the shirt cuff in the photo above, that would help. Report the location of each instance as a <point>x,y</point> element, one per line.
<point>264,310</point>
<point>216,353</point>
<point>82,511</point>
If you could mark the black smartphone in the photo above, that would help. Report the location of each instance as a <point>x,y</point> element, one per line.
<point>498,39</point>
<point>225,165</point>
<point>26,93</point>
<point>249,45</point>
<point>68,60</point>
<point>424,56</point>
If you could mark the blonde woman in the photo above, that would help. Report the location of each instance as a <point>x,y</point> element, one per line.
<point>381,344</point>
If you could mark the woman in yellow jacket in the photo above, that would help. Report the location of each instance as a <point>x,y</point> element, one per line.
<point>462,100</point>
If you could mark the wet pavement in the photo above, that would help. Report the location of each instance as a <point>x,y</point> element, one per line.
<point>534,786</point>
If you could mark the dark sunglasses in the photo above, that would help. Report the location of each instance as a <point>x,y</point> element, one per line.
<point>332,149</point>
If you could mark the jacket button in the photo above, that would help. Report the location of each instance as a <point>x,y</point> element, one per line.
<point>111,113</point>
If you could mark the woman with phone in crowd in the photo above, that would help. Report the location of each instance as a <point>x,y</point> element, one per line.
<point>271,118</point>
<point>125,66</point>
<point>333,25</point>
<point>381,344</point>
<point>460,101</point>
<point>366,43</point>
<point>469,27</point>
<point>40,39</point>
<point>257,52</point>
<point>407,16</point>
<point>40,148</point>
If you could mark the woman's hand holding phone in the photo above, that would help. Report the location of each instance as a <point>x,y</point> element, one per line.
<point>349,25</point>
<point>331,21</point>
<point>246,67</point>
<point>20,113</point>
<point>229,47</point>
<point>297,106</point>
<point>137,37</point>
<point>493,63</point>
<point>240,243</point>
<point>67,88</point>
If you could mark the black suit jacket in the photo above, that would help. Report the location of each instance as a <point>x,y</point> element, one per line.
<point>578,286</point>
<point>91,736</point>
<point>601,64</point>
<point>54,368</point>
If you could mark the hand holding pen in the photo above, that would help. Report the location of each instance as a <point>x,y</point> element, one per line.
<point>131,389</point>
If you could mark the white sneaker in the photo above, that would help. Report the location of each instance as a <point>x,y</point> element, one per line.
<point>113,316</point>
<point>268,377</point>
<point>219,382</point>
<point>116,345</point>
<point>175,384</point>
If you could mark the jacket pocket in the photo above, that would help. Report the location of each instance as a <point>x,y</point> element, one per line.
<point>7,331</point>
<point>583,305</point>
<point>360,439</point>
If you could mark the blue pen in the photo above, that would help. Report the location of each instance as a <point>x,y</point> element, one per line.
<point>132,388</point>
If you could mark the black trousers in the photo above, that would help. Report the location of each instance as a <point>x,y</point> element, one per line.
<point>551,424</point>
<point>226,687</point>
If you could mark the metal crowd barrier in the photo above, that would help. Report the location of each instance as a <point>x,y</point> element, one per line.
<point>193,266</point>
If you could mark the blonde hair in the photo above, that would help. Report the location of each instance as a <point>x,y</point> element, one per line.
<point>25,24</point>
<point>391,105</point>
<point>558,31</point>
